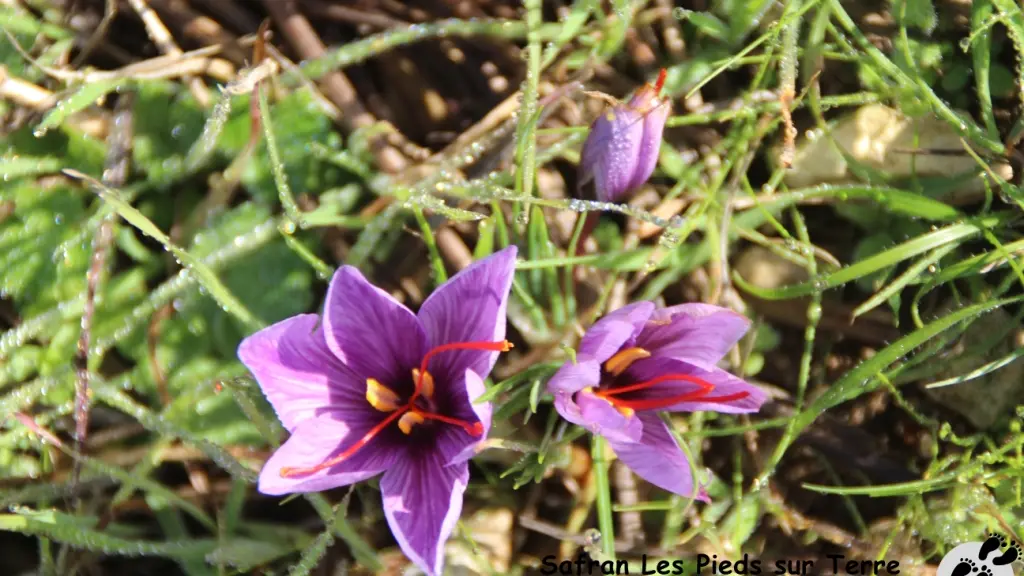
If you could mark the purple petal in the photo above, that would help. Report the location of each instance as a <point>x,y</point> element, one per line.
<point>422,502</point>
<point>371,332</point>
<point>296,370</point>
<point>609,154</point>
<point>654,118</point>
<point>602,418</point>
<point>725,384</point>
<point>700,334</point>
<point>317,440</point>
<point>470,307</point>
<point>458,446</point>
<point>612,332</point>
<point>570,379</point>
<point>658,459</point>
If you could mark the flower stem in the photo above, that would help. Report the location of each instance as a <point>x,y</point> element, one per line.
<point>605,521</point>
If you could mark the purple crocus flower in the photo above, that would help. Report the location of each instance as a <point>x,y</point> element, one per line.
<point>375,388</point>
<point>621,150</point>
<point>639,360</point>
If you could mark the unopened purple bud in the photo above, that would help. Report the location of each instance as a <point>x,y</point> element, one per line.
<point>621,151</point>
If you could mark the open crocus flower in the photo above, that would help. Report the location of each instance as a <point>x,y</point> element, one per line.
<point>375,388</point>
<point>639,360</point>
<point>621,150</point>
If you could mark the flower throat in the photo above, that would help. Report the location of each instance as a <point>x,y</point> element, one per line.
<point>407,414</point>
<point>618,364</point>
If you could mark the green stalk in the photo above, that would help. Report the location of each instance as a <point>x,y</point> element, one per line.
<point>605,521</point>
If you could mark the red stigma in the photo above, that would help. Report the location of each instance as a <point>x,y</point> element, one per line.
<point>503,346</point>
<point>660,83</point>
<point>472,428</point>
<point>288,471</point>
<point>699,395</point>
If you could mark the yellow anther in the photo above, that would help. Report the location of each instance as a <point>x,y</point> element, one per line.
<point>427,386</point>
<point>610,116</point>
<point>380,396</point>
<point>408,420</point>
<point>617,364</point>
<point>624,410</point>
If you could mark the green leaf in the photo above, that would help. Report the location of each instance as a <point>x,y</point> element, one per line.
<point>167,121</point>
<point>743,519</point>
<point>42,260</point>
<point>299,125</point>
<point>272,282</point>
<point>919,13</point>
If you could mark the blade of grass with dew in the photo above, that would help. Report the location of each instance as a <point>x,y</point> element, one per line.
<point>912,274</point>
<point>85,96</point>
<point>980,371</point>
<point>12,167</point>
<point>861,379</point>
<point>526,134</point>
<point>69,530</point>
<point>284,191</point>
<point>921,244</point>
<point>1013,18</point>
<point>980,41</point>
<point>204,275</point>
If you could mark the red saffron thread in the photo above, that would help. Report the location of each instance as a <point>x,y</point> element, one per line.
<point>660,82</point>
<point>700,395</point>
<point>474,429</point>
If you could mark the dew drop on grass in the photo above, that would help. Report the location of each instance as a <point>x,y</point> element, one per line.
<point>814,313</point>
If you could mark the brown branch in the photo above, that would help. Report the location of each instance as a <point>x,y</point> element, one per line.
<point>307,44</point>
<point>115,174</point>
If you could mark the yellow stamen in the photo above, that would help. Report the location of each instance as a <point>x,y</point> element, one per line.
<point>617,364</point>
<point>427,386</point>
<point>380,396</point>
<point>408,420</point>
<point>624,410</point>
<point>610,116</point>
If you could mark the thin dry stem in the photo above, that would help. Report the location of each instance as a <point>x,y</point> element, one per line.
<point>165,42</point>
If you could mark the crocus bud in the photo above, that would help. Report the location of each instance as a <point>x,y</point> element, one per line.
<point>621,150</point>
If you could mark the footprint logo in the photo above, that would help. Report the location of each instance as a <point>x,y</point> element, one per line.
<point>986,558</point>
